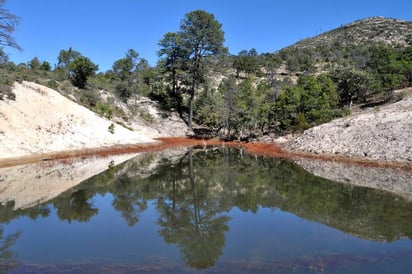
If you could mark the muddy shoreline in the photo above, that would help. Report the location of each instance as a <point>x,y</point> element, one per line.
<point>262,149</point>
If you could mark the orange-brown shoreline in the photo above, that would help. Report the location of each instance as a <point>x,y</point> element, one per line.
<point>262,149</point>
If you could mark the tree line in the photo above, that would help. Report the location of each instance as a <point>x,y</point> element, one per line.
<point>235,96</point>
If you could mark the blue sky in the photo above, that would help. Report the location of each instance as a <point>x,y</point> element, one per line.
<point>105,30</point>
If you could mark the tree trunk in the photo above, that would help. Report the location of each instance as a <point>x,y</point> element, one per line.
<point>192,97</point>
<point>191,108</point>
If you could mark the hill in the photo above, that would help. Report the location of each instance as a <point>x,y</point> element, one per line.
<point>240,97</point>
<point>389,31</point>
<point>41,120</point>
<point>356,45</point>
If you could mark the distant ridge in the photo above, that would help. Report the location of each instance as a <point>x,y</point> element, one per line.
<point>390,31</point>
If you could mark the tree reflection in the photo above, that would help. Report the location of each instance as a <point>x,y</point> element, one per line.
<point>7,260</point>
<point>128,199</point>
<point>7,212</point>
<point>193,194</point>
<point>191,218</point>
<point>76,207</point>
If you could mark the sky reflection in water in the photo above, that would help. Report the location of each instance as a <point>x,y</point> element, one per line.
<point>223,209</point>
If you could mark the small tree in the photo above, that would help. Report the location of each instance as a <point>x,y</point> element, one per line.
<point>124,70</point>
<point>80,69</point>
<point>65,58</point>
<point>45,66</point>
<point>34,63</point>
<point>351,84</point>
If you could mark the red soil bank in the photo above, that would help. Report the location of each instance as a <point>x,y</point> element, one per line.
<point>262,149</point>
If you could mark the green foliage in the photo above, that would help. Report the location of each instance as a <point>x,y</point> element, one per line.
<point>208,109</point>
<point>53,84</point>
<point>202,37</point>
<point>247,62</point>
<point>298,59</point>
<point>90,98</point>
<point>65,58</point>
<point>351,85</point>
<point>34,64</point>
<point>123,91</point>
<point>104,110</point>
<point>292,89</point>
<point>301,123</point>
<point>173,54</point>
<point>80,69</point>
<point>147,116</point>
<point>132,76</point>
<point>123,68</point>
<point>111,128</point>
<point>45,66</point>
<point>392,67</point>
<point>312,101</point>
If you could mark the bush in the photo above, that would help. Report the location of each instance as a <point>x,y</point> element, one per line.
<point>104,110</point>
<point>52,84</point>
<point>89,97</point>
<point>147,116</point>
<point>123,91</point>
<point>111,128</point>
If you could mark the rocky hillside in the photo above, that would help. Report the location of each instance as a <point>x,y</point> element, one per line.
<point>390,31</point>
<point>350,45</point>
<point>380,133</point>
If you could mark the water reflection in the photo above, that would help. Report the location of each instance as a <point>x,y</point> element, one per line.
<point>190,216</point>
<point>194,193</point>
<point>7,257</point>
<point>76,207</point>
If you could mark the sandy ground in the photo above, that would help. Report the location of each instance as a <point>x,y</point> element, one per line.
<point>41,120</point>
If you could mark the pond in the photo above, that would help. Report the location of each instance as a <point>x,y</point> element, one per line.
<point>218,210</point>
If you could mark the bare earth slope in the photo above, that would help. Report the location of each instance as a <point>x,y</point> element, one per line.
<point>41,120</point>
<point>382,133</point>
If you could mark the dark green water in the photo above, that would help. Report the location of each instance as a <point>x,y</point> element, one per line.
<point>220,211</point>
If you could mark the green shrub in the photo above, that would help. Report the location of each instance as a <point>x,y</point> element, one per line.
<point>52,84</point>
<point>147,116</point>
<point>89,97</point>
<point>104,110</point>
<point>111,128</point>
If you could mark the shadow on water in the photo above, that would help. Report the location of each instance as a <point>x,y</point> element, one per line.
<point>194,194</point>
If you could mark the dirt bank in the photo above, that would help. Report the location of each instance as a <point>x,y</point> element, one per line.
<point>262,149</point>
<point>40,120</point>
<point>378,134</point>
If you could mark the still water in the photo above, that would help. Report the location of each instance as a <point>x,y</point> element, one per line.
<point>214,211</point>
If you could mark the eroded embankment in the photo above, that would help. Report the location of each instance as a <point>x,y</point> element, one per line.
<point>263,149</point>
